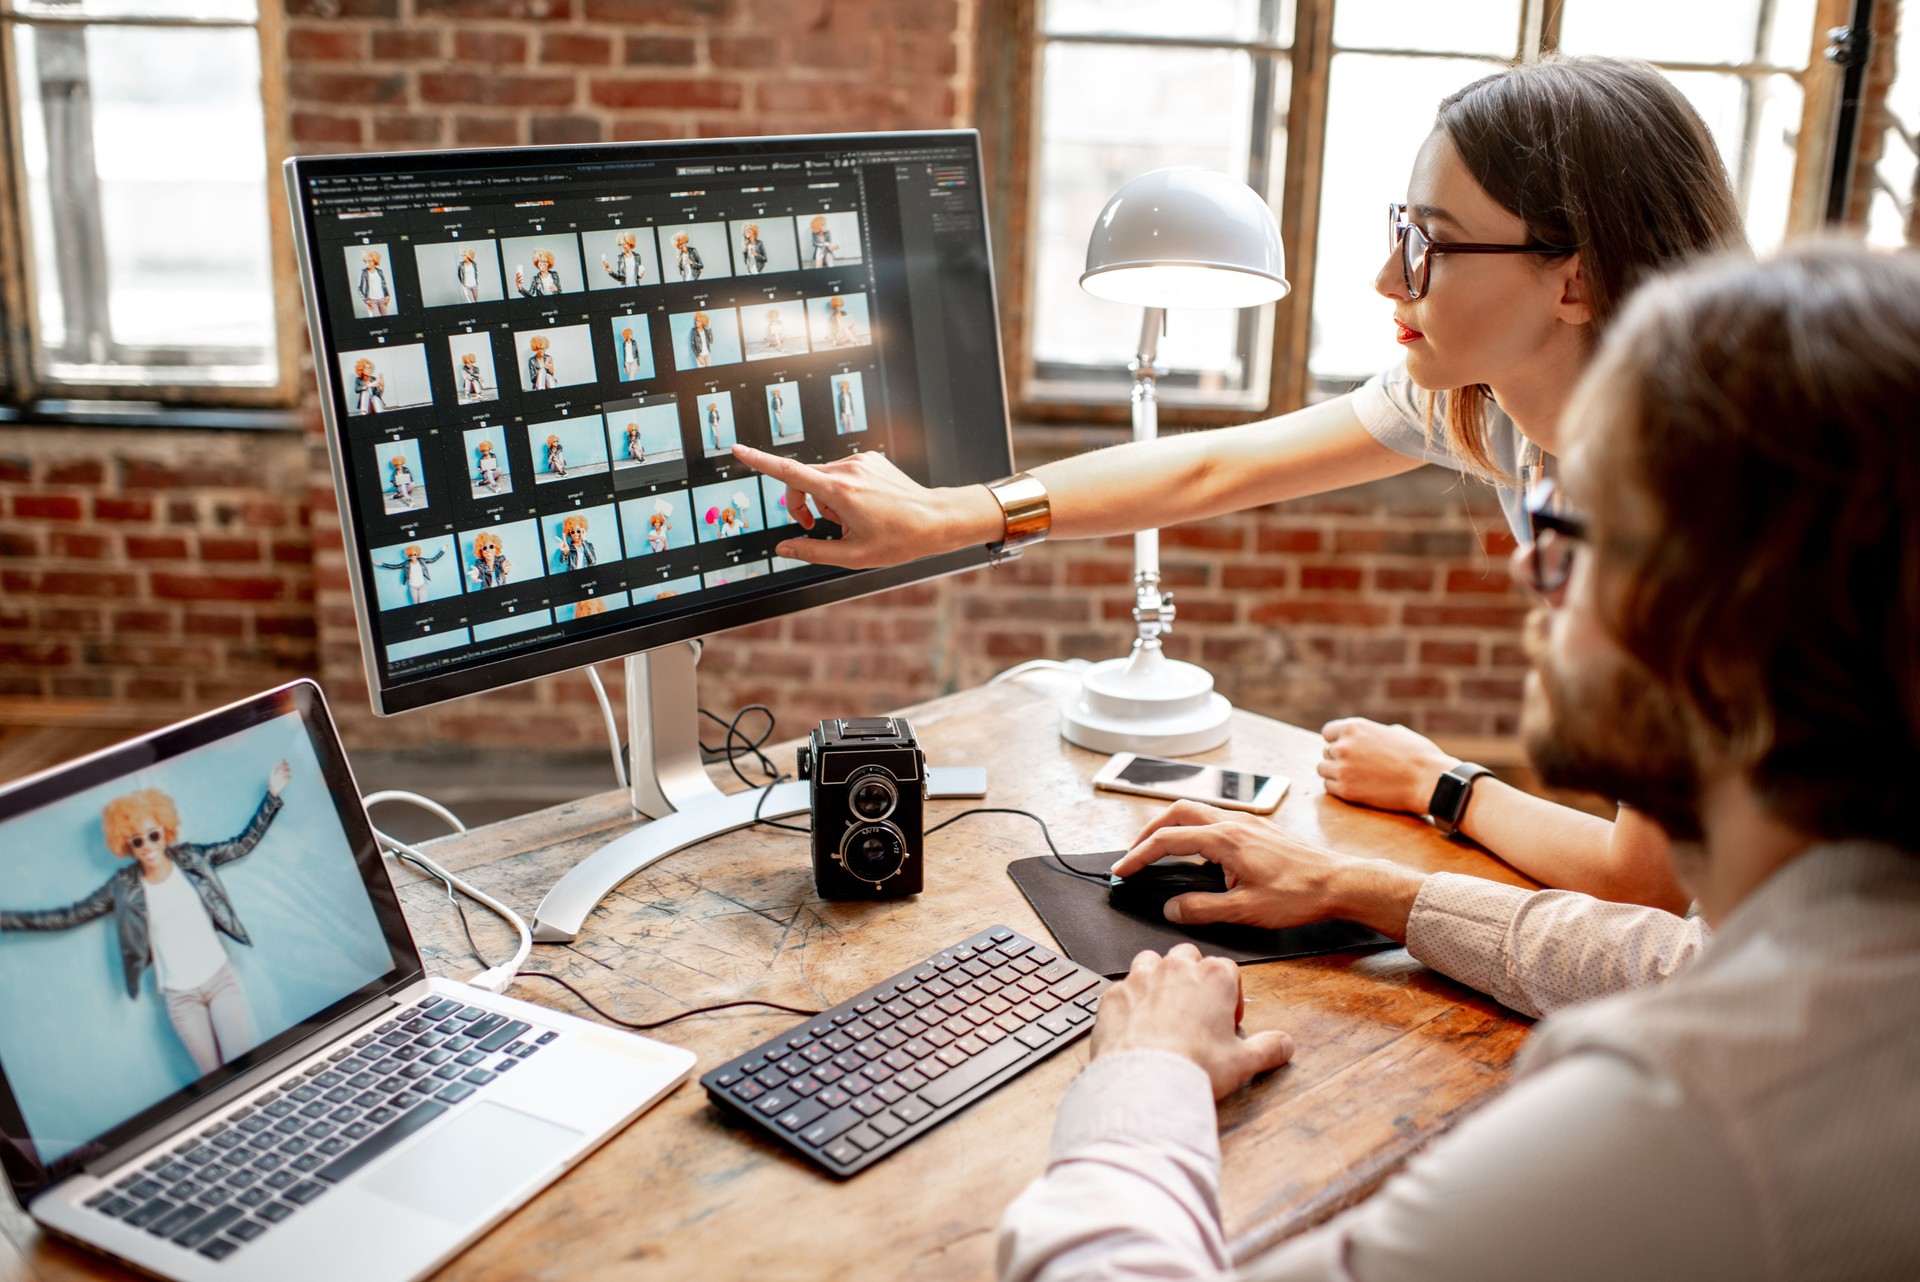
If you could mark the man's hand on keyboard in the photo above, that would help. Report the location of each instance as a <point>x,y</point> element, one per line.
<point>1191,1006</point>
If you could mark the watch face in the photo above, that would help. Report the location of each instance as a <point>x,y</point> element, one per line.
<point>1446,797</point>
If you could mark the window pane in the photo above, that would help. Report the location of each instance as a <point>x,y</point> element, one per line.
<point>1463,26</point>
<point>238,10</point>
<point>148,189</point>
<point>1891,210</point>
<point>1109,114</point>
<point>1380,109</point>
<point>1266,20</point>
<point>1754,122</point>
<point>1662,31</point>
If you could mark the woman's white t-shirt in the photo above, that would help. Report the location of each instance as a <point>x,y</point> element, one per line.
<point>1394,412</point>
<point>186,952</point>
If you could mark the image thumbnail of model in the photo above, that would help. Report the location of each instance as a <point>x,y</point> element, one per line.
<point>849,404</point>
<point>700,340</point>
<point>546,277</point>
<point>540,371</point>
<point>659,525</point>
<point>636,449</point>
<point>375,380</point>
<point>401,482</point>
<point>714,413</point>
<point>753,250</point>
<point>169,909</point>
<point>458,273</point>
<point>713,425</point>
<point>626,266</point>
<point>776,335</point>
<point>778,329</point>
<point>369,389</point>
<point>472,385</point>
<point>783,412</point>
<point>556,456</point>
<point>634,348</point>
<point>731,517</point>
<point>686,258</point>
<point>375,291</point>
<point>820,241</point>
<point>488,463</point>
<point>840,327</point>
<point>588,608</point>
<point>490,566</point>
<point>466,273</point>
<point>576,550</point>
<point>413,571</point>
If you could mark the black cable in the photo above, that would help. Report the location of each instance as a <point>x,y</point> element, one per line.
<point>657,1023</point>
<point>1045,833</point>
<point>466,927</point>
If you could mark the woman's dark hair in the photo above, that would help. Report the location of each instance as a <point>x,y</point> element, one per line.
<point>1603,156</point>
<point>1765,414</point>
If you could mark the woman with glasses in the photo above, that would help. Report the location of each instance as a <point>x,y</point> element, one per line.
<point>167,903</point>
<point>1544,194</point>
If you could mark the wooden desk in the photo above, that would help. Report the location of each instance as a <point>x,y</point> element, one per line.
<point>1389,1053</point>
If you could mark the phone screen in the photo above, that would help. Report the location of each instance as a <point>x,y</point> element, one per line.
<point>1187,779</point>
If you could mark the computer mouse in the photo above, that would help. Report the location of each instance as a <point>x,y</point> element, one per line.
<point>1145,894</point>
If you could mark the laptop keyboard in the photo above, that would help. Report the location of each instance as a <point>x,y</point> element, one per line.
<point>287,1145</point>
<point>883,1068</point>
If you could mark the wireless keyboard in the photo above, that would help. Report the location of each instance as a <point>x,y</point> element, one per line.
<point>883,1068</point>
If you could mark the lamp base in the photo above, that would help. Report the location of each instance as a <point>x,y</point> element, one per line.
<point>1146,703</point>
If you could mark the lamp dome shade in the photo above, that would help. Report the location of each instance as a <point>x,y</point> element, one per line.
<point>1186,237</point>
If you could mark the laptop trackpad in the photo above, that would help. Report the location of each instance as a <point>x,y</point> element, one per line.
<point>471,1163</point>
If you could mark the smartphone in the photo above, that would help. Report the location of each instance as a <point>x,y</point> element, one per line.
<point>1190,781</point>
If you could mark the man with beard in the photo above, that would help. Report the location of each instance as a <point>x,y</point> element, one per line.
<point>1731,643</point>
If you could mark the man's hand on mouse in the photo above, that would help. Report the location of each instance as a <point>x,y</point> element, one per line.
<point>1191,1006</point>
<point>1273,878</point>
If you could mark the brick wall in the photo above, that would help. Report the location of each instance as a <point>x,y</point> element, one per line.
<point>144,575</point>
<point>1388,600</point>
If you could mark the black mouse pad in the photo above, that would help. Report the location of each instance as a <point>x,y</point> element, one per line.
<point>1105,940</point>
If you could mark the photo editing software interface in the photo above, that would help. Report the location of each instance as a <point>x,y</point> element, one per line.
<point>538,362</point>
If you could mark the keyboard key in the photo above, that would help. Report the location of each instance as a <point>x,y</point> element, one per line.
<point>305,1191</point>
<point>380,1142</point>
<point>219,1249</point>
<point>843,1152</point>
<point>801,1114</point>
<point>546,1037</point>
<point>274,1212</point>
<point>980,1068</point>
<point>502,1035</point>
<point>175,1221</point>
<point>208,1225</point>
<point>774,1102</point>
<point>453,1092</point>
<point>832,1126</point>
<point>254,1197</point>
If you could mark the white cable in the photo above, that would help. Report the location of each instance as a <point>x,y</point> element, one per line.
<point>613,730</point>
<point>1037,665</point>
<point>495,978</point>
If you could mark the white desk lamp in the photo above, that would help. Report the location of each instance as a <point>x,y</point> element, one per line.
<point>1180,237</point>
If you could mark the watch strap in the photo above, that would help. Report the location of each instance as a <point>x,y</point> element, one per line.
<point>1451,794</point>
<point>1027,511</point>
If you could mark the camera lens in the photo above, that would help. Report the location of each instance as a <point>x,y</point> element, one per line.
<point>872,797</point>
<point>874,853</point>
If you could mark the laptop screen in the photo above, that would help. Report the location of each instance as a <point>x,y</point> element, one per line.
<point>174,911</point>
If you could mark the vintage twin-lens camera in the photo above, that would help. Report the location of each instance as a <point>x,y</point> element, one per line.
<point>868,783</point>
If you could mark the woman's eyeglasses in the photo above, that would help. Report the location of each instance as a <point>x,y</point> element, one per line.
<point>1558,531</point>
<point>151,837</point>
<point>1417,249</point>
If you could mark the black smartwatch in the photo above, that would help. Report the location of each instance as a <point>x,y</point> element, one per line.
<point>1451,794</point>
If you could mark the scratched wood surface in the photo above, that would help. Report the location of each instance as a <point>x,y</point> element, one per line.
<point>1389,1054</point>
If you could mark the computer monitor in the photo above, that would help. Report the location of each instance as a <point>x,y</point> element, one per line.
<point>533,363</point>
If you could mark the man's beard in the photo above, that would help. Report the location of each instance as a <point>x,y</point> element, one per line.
<point>1615,733</point>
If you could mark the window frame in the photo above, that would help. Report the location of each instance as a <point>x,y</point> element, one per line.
<point>20,385</point>
<point>1010,51</point>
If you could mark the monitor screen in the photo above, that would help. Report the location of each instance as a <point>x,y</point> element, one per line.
<point>534,364</point>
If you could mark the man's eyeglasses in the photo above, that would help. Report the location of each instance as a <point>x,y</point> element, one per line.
<point>1558,531</point>
<point>1417,249</point>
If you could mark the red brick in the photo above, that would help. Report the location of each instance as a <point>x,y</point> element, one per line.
<point>166,547</point>
<point>1497,541</point>
<point>1354,613</point>
<point>22,686</point>
<point>1253,577</point>
<point>1217,536</point>
<point>214,625</point>
<point>1380,652</point>
<point>212,549</point>
<point>1283,540</point>
<point>81,687</point>
<point>1417,687</point>
<point>142,621</point>
<point>157,689</point>
<point>289,553</point>
<point>751,53</point>
<point>661,51</point>
<point>85,547</point>
<point>264,512</point>
<point>411,45</point>
<point>548,130</point>
<point>81,583</point>
<point>47,507</point>
<point>680,94</point>
<point>183,512</point>
<point>15,470</point>
<point>107,507</point>
<point>481,131</point>
<point>1449,654</point>
<point>922,57</point>
<point>408,129</point>
<point>334,9</point>
<point>1388,578</point>
<point>293,626</point>
<point>1506,654</point>
<point>76,472</point>
<point>481,89</point>
<point>21,544</point>
<point>308,43</point>
<point>1015,646</point>
<point>1443,721</point>
<point>1330,578</point>
<point>1491,689</point>
<point>660,13</point>
<point>573,49</point>
<point>37,654</point>
<point>1493,582</point>
<point>356,88</point>
<point>1440,543</point>
<point>488,46</point>
<point>204,587</point>
<point>1463,616</point>
<point>1056,610</point>
<point>1097,574</point>
<point>319,129</point>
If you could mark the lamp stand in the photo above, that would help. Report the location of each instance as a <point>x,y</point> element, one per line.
<point>1147,702</point>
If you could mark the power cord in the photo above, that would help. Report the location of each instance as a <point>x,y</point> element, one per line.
<point>1045,833</point>
<point>657,1023</point>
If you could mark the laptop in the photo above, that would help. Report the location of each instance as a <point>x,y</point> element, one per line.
<point>220,1055</point>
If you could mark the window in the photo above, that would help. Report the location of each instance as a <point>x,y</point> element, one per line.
<point>1320,105</point>
<point>1892,219</point>
<point>145,227</point>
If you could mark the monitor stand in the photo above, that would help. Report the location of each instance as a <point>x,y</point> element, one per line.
<point>670,786</point>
